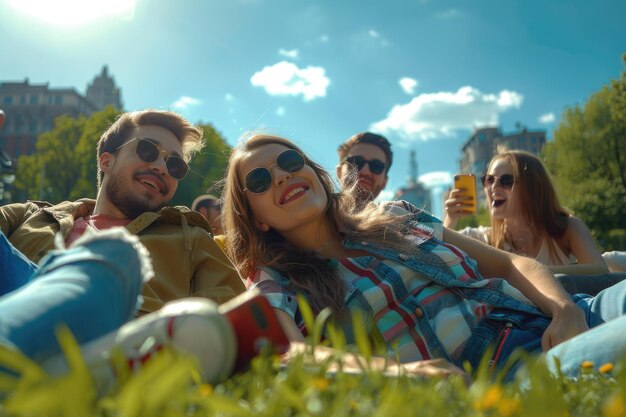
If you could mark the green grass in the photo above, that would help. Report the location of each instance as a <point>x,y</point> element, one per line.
<point>169,386</point>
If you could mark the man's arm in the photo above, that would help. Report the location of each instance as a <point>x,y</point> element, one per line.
<point>13,215</point>
<point>214,277</point>
<point>533,279</point>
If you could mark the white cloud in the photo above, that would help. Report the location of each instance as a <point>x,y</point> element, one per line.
<point>373,33</point>
<point>280,111</point>
<point>286,79</point>
<point>185,101</point>
<point>408,85</point>
<point>291,53</point>
<point>435,115</point>
<point>448,14</point>
<point>229,97</point>
<point>324,38</point>
<point>547,118</point>
<point>436,179</point>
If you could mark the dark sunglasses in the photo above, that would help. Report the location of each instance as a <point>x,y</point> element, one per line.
<point>148,151</point>
<point>259,180</point>
<point>376,165</point>
<point>506,180</point>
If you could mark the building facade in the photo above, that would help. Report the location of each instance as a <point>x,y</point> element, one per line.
<point>30,109</point>
<point>415,192</point>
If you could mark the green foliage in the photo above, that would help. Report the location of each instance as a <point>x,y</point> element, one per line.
<point>66,162</point>
<point>64,165</point>
<point>208,167</point>
<point>588,160</point>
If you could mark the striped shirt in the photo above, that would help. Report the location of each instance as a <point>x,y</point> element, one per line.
<point>424,306</point>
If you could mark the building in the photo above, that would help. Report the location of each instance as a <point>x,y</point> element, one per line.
<point>30,109</point>
<point>415,192</point>
<point>482,144</point>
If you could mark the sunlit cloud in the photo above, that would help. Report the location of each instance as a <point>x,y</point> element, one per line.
<point>437,115</point>
<point>373,33</point>
<point>448,14</point>
<point>324,38</point>
<point>291,53</point>
<point>547,118</point>
<point>436,179</point>
<point>408,85</point>
<point>229,97</point>
<point>74,12</point>
<point>286,79</point>
<point>185,102</point>
<point>280,111</point>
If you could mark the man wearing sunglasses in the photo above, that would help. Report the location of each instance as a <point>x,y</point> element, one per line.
<point>209,206</point>
<point>366,158</point>
<point>141,158</point>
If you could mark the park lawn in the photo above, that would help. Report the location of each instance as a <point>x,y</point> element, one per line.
<point>168,385</point>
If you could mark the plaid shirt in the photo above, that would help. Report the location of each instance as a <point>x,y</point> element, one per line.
<point>424,306</point>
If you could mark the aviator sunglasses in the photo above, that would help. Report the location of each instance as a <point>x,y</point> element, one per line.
<point>376,165</point>
<point>506,180</point>
<point>259,180</point>
<point>148,151</point>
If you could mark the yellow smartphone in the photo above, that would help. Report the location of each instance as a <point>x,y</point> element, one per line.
<point>467,182</point>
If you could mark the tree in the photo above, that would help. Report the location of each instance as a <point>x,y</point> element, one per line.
<point>64,165</point>
<point>588,160</point>
<point>207,168</point>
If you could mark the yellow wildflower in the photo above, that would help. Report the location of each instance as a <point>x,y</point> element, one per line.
<point>586,365</point>
<point>509,407</point>
<point>205,390</point>
<point>490,399</point>
<point>320,383</point>
<point>606,368</point>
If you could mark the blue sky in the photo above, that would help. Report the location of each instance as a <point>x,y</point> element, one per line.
<point>422,72</point>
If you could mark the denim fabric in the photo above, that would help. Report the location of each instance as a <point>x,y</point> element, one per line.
<point>603,343</point>
<point>93,289</point>
<point>590,284</point>
<point>15,269</point>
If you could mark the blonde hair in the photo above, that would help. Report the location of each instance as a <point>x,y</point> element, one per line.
<point>189,136</point>
<point>250,248</point>
<point>541,208</point>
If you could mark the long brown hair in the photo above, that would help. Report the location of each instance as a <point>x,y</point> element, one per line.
<point>541,208</point>
<point>249,248</point>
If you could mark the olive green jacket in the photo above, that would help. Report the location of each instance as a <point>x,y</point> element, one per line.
<point>186,260</point>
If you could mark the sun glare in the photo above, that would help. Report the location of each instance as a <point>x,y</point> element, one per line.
<point>74,12</point>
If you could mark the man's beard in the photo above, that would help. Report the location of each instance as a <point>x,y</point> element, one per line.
<point>130,205</point>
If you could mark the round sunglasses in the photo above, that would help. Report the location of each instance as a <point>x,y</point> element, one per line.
<point>376,165</point>
<point>506,180</point>
<point>148,151</point>
<point>259,180</point>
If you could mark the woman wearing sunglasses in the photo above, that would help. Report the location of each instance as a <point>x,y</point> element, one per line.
<point>424,292</point>
<point>527,217</point>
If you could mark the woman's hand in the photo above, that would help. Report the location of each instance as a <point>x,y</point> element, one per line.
<point>456,206</point>
<point>566,323</point>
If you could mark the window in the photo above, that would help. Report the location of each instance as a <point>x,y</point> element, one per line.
<point>7,100</point>
<point>58,99</point>
<point>33,99</point>
<point>22,99</point>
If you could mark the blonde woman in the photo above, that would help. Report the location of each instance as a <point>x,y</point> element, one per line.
<point>527,217</point>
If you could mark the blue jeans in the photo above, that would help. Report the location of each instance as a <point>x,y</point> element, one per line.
<point>15,269</point>
<point>505,331</point>
<point>92,289</point>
